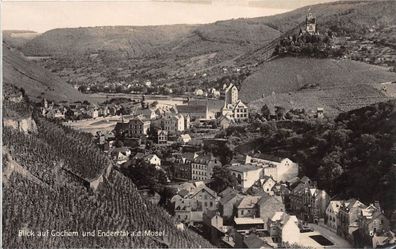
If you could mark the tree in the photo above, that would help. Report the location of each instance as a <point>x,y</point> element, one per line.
<point>222,179</point>
<point>265,111</point>
<point>82,89</point>
<point>145,175</point>
<point>154,104</point>
<point>280,112</point>
<point>118,144</point>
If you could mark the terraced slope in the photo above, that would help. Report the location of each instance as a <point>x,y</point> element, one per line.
<point>44,188</point>
<point>291,74</point>
<point>37,82</point>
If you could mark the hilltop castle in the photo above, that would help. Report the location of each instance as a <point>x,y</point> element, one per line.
<point>310,24</point>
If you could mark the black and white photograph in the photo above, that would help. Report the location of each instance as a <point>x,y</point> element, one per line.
<point>198,124</point>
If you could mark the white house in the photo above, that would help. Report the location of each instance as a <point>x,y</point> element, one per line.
<point>184,138</point>
<point>284,228</point>
<point>291,231</point>
<point>173,123</point>
<point>153,159</point>
<point>283,170</point>
<point>267,183</point>
<point>120,155</point>
<point>246,175</point>
<point>199,92</point>
<point>93,113</point>
<point>332,211</point>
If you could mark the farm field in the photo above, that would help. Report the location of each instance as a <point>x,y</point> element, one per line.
<point>161,99</point>
<point>334,100</point>
<point>290,74</point>
<point>97,124</point>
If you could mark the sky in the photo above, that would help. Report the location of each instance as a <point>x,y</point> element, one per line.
<point>41,16</point>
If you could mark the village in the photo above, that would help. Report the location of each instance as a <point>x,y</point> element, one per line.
<point>271,206</point>
<point>255,200</point>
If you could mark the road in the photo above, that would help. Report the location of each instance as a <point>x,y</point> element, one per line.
<point>338,241</point>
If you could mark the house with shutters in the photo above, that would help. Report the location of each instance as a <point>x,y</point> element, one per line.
<point>173,123</point>
<point>138,126</point>
<point>202,166</point>
<point>348,218</point>
<point>162,137</point>
<point>191,204</point>
<point>331,215</point>
<point>372,221</point>
<point>315,204</point>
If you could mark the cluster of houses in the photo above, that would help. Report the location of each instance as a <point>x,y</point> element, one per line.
<point>361,224</point>
<point>271,207</point>
<point>79,110</point>
<point>173,124</point>
<point>254,210</point>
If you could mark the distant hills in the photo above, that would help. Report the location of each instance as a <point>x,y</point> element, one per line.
<point>18,38</point>
<point>173,54</point>
<point>133,41</point>
<point>241,34</point>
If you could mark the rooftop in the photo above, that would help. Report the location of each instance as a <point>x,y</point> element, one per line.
<point>249,201</point>
<point>243,168</point>
<point>191,108</point>
<point>248,220</point>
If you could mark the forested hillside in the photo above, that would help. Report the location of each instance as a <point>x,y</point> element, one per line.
<point>354,156</point>
<point>43,188</point>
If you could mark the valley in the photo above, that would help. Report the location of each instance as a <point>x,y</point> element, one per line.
<point>267,132</point>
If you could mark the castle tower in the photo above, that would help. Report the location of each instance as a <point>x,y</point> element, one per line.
<point>311,24</point>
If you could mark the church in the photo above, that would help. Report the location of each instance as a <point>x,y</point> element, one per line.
<point>234,107</point>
